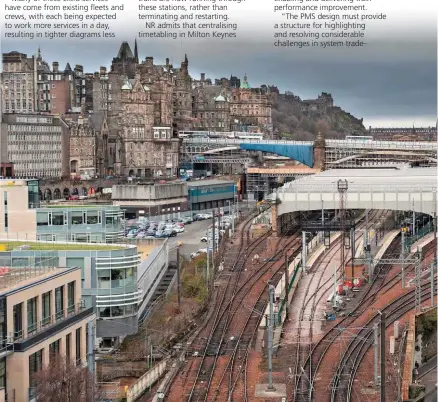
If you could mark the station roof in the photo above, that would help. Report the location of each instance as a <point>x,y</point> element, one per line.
<point>377,180</point>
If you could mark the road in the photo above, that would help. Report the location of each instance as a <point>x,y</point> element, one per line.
<point>429,379</point>
<point>191,237</point>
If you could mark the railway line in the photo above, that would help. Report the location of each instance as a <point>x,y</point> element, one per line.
<point>381,284</point>
<point>343,380</point>
<point>304,349</point>
<point>241,323</point>
<point>235,312</point>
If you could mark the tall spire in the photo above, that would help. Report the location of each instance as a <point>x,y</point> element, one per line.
<point>186,60</point>
<point>136,51</point>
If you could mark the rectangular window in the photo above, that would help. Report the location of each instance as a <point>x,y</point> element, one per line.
<point>68,347</point>
<point>3,331</point>
<point>42,219</point>
<point>46,319</point>
<point>71,297</point>
<point>35,365</point>
<point>54,348</point>
<point>57,218</point>
<point>92,217</point>
<point>18,321</point>
<point>77,218</point>
<point>32,319</point>
<point>78,346</point>
<point>59,302</point>
<point>3,372</point>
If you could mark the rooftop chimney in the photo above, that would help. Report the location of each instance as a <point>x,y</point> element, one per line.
<point>79,68</point>
<point>102,70</point>
<point>202,76</point>
<point>167,61</point>
<point>55,67</point>
<point>149,61</point>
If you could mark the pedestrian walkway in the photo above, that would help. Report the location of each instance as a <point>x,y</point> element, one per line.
<point>386,242</point>
<point>422,242</point>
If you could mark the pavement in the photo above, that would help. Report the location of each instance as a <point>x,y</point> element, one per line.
<point>428,377</point>
<point>191,237</point>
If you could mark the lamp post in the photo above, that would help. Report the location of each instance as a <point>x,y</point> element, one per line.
<point>342,190</point>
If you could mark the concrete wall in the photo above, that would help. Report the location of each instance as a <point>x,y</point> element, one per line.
<point>149,192</point>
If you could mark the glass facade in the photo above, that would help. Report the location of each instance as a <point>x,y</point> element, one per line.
<point>32,319</point>
<point>59,302</point>
<point>33,193</point>
<point>82,224</point>
<point>108,282</point>
<point>35,365</point>
<point>71,297</point>
<point>78,346</point>
<point>46,319</point>
<point>3,332</point>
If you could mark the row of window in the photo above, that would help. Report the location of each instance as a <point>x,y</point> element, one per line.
<point>76,218</point>
<point>36,359</point>
<point>33,128</point>
<point>37,320</point>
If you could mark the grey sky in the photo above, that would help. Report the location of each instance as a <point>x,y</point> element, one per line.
<point>386,84</point>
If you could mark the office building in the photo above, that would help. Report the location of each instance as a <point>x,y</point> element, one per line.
<point>41,316</point>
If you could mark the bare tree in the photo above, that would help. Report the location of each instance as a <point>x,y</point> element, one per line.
<point>62,380</point>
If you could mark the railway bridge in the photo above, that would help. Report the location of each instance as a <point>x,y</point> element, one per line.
<point>336,153</point>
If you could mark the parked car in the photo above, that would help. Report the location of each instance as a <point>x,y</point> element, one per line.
<point>171,233</point>
<point>161,234</point>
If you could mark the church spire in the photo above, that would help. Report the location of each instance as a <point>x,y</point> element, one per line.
<point>136,51</point>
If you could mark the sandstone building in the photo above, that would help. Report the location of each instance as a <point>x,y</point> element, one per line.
<point>30,85</point>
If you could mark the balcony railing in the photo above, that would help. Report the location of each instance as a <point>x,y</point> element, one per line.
<point>47,322</point>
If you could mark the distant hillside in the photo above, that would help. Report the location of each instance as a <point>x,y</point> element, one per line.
<point>298,119</point>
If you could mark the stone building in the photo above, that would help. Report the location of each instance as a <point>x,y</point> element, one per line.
<point>38,145</point>
<point>211,108</point>
<point>250,107</point>
<point>19,83</point>
<point>88,144</point>
<point>145,104</point>
<point>30,85</point>
<point>182,98</point>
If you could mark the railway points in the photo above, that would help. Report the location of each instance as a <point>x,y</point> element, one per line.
<point>333,305</point>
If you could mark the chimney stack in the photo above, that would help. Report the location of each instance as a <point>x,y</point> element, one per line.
<point>167,61</point>
<point>149,61</point>
<point>202,76</point>
<point>102,70</point>
<point>55,67</point>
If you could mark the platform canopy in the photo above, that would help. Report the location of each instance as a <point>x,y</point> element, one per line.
<point>395,189</point>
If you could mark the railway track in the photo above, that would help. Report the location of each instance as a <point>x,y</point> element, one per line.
<point>235,375</point>
<point>238,315</point>
<point>379,284</point>
<point>304,350</point>
<point>343,380</point>
<point>201,385</point>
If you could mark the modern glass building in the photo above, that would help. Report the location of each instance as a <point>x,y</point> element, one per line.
<point>82,223</point>
<point>108,276</point>
<point>209,194</point>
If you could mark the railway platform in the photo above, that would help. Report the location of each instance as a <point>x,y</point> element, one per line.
<point>420,244</point>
